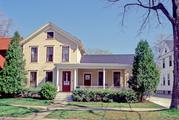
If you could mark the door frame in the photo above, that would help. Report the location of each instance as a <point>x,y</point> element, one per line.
<point>62,80</point>
<point>113,77</point>
<point>84,76</point>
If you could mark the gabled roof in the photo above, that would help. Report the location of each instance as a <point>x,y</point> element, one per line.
<point>4,43</point>
<point>111,58</point>
<point>2,60</point>
<point>169,44</point>
<point>59,30</point>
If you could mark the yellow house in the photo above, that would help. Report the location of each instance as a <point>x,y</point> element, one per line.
<point>53,55</point>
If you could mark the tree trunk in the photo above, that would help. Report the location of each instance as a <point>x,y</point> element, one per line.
<point>175,91</point>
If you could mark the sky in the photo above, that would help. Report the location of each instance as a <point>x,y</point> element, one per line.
<point>95,22</point>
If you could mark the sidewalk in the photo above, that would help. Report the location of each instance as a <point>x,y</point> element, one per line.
<point>165,102</point>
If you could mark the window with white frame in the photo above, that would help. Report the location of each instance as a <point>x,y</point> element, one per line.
<point>50,35</point>
<point>65,53</point>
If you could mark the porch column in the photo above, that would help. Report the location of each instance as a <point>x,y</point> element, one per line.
<point>75,78</point>
<point>104,78</point>
<point>57,82</point>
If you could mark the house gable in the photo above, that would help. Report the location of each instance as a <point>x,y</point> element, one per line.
<point>59,34</point>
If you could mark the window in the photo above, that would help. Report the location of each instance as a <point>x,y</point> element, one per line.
<point>163,63</point>
<point>50,35</point>
<point>33,79</point>
<point>165,50</point>
<point>163,81</point>
<point>100,78</point>
<point>49,76</point>
<point>168,79</point>
<point>170,60</point>
<point>49,57</point>
<point>34,54</point>
<point>65,54</point>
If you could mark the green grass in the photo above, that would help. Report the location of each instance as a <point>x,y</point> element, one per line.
<point>25,101</point>
<point>115,115</point>
<point>115,105</point>
<point>13,111</point>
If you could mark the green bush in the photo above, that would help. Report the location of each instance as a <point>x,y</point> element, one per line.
<point>104,95</point>
<point>48,91</point>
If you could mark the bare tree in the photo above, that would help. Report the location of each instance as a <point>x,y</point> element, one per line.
<point>97,51</point>
<point>160,7</point>
<point>4,25</point>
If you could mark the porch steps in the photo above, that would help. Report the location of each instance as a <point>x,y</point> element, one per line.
<point>63,98</point>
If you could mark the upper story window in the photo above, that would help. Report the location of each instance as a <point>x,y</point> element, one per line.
<point>163,63</point>
<point>49,57</point>
<point>50,35</point>
<point>65,53</point>
<point>34,54</point>
<point>170,60</point>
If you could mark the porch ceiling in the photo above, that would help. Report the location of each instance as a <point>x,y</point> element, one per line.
<point>93,66</point>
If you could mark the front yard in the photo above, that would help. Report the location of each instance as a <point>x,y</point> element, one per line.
<point>20,107</point>
<point>115,104</point>
<point>115,115</point>
<point>14,111</point>
<point>25,101</point>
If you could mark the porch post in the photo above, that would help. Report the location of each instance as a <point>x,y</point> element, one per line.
<point>104,78</point>
<point>57,82</point>
<point>75,78</point>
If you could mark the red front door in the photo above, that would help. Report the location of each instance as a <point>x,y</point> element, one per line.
<point>66,81</point>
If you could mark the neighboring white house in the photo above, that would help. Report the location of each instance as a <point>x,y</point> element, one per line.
<point>165,64</point>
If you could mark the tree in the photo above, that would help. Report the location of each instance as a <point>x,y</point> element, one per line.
<point>97,51</point>
<point>172,14</point>
<point>12,76</point>
<point>145,73</point>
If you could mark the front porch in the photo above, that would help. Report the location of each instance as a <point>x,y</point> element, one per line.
<point>72,76</point>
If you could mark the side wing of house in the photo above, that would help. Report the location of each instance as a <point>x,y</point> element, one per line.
<point>46,47</point>
<point>165,64</point>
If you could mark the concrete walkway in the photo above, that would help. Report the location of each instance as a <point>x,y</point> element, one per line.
<point>165,102</point>
<point>63,98</point>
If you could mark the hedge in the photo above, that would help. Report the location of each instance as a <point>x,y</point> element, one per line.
<point>104,95</point>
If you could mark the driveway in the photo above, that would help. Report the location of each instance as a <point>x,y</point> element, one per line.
<point>165,102</point>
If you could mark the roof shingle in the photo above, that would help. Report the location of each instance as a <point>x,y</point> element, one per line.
<point>111,58</point>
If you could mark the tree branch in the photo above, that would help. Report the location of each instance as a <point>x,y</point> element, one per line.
<point>151,6</point>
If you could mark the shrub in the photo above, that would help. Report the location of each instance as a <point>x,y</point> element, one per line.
<point>48,91</point>
<point>104,95</point>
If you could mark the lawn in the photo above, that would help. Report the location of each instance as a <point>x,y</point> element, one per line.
<point>115,115</point>
<point>13,111</point>
<point>115,104</point>
<point>25,101</point>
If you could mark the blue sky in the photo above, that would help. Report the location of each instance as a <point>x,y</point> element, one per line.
<point>95,22</point>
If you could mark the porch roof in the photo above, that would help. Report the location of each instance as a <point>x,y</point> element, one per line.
<point>93,66</point>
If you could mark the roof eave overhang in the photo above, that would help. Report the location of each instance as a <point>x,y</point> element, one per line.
<point>94,66</point>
